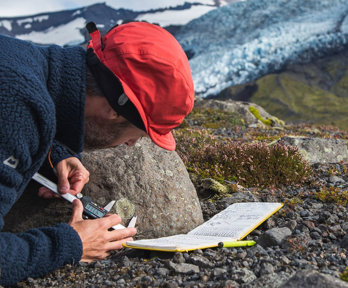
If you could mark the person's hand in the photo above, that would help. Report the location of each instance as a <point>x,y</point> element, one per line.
<point>72,177</point>
<point>97,241</point>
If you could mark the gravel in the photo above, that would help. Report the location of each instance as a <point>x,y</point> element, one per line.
<point>308,235</point>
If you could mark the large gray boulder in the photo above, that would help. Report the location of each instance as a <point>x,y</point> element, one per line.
<point>144,179</point>
<point>319,150</point>
<point>313,279</point>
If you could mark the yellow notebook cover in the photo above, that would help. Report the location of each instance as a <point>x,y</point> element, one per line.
<point>232,224</point>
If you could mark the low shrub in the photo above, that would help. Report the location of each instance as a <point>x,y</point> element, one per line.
<point>212,118</point>
<point>333,195</point>
<point>344,275</point>
<point>250,164</point>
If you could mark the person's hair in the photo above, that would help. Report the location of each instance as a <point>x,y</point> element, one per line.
<point>93,90</point>
<point>92,87</point>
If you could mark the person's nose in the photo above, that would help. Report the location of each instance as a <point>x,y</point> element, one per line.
<point>131,142</point>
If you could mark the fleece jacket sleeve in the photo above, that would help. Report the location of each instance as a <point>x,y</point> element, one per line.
<point>23,121</point>
<point>60,152</point>
<point>37,252</point>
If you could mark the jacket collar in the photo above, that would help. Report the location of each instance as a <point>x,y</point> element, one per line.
<point>66,84</point>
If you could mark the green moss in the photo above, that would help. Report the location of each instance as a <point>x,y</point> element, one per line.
<point>213,118</point>
<point>341,87</point>
<point>344,275</point>
<point>332,195</point>
<point>267,138</point>
<point>257,115</point>
<point>217,187</point>
<point>293,201</point>
<point>333,68</point>
<point>285,96</point>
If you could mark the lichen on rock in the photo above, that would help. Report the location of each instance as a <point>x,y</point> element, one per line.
<point>125,208</point>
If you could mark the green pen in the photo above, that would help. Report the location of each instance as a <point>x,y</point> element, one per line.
<point>227,244</point>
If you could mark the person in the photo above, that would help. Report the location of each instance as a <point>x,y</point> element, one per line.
<point>133,82</point>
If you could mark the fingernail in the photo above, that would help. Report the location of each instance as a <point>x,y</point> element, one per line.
<point>64,189</point>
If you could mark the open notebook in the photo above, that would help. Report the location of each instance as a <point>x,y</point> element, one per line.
<point>231,224</point>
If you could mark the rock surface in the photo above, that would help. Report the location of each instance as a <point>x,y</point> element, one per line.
<point>274,236</point>
<point>150,179</point>
<point>144,179</point>
<point>313,279</point>
<point>344,242</point>
<point>317,231</point>
<point>318,226</point>
<point>320,150</point>
<point>238,107</point>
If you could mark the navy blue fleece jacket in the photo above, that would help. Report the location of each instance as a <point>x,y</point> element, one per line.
<point>42,92</point>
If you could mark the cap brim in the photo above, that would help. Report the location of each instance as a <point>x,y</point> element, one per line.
<point>165,141</point>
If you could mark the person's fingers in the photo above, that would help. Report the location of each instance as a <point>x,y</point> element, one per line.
<point>42,191</point>
<point>80,175</point>
<point>101,256</point>
<point>77,182</point>
<point>63,181</point>
<point>120,234</point>
<point>115,245</point>
<point>72,176</point>
<point>47,193</point>
<point>77,211</point>
<point>108,222</point>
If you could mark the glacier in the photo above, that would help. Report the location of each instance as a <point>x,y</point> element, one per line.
<point>244,41</point>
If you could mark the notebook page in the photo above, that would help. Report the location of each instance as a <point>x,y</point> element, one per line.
<point>237,220</point>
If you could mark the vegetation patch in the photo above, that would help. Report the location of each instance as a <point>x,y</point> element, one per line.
<point>212,189</point>
<point>212,118</point>
<point>344,275</point>
<point>294,201</point>
<point>269,121</point>
<point>313,92</point>
<point>333,195</point>
<point>291,99</point>
<point>257,115</point>
<point>250,164</point>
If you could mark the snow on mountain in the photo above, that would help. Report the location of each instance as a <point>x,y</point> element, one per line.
<point>24,8</point>
<point>6,24</point>
<point>243,41</point>
<point>178,17</point>
<point>68,27</point>
<point>152,5</point>
<point>66,34</point>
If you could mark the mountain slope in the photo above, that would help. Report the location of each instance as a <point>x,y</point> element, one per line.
<point>314,93</point>
<point>243,41</point>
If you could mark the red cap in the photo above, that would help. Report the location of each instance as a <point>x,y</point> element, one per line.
<point>154,73</point>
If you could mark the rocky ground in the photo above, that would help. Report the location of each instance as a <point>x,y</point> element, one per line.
<point>305,244</point>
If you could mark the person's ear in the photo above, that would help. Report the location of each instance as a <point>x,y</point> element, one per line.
<point>112,114</point>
